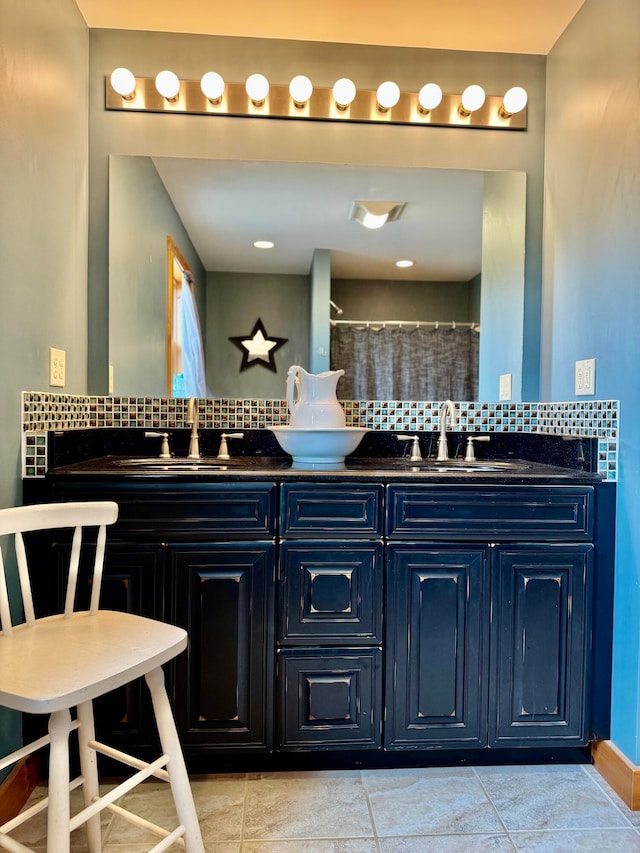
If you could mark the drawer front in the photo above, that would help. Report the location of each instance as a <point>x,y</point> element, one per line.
<point>189,512</point>
<point>309,509</point>
<point>330,699</point>
<point>526,513</point>
<point>330,594</point>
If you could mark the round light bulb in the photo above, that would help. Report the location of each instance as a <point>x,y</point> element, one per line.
<point>168,85</point>
<point>257,87</point>
<point>405,263</point>
<point>430,96</point>
<point>264,244</point>
<point>515,100</point>
<point>123,82</point>
<point>300,89</point>
<point>473,98</point>
<point>344,91</point>
<point>212,86</point>
<point>388,95</point>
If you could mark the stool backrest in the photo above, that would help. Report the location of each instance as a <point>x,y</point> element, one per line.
<point>40,517</point>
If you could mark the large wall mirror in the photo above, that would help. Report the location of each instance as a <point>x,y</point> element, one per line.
<point>464,231</point>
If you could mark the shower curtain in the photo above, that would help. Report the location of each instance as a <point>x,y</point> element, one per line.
<point>406,363</point>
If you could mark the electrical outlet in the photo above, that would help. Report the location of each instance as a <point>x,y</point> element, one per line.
<point>111,379</point>
<point>585,377</point>
<point>57,366</point>
<point>505,386</point>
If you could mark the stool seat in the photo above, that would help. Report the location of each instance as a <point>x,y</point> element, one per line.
<point>57,664</point>
<point>71,660</point>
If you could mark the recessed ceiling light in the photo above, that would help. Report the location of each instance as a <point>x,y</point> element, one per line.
<point>264,244</point>
<point>404,263</point>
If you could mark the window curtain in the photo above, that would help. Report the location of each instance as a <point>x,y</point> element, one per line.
<point>404,363</point>
<point>192,354</point>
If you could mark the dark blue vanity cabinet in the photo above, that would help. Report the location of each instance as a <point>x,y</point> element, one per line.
<point>382,618</point>
<point>488,637</point>
<point>330,597</point>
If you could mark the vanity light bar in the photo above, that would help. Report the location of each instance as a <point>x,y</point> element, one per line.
<point>321,106</point>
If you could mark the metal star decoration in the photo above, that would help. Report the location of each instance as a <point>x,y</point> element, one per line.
<point>258,347</point>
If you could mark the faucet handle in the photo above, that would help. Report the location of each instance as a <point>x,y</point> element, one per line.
<point>165,452</point>
<point>416,455</point>
<point>223,450</point>
<point>470,455</point>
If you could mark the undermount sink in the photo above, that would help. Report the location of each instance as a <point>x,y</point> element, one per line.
<point>453,466</point>
<point>177,464</point>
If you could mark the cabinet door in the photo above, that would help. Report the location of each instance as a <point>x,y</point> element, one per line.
<point>329,699</point>
<point>330,593</point>
<point>437,646</point>
<point>540,645</point>
<point>224,682</point>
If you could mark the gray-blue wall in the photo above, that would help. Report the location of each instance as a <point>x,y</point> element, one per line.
<point>44,54</point>
<point>235,301</point>
<point>592,276</point>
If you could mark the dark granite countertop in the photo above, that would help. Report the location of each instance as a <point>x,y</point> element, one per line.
<point>453,471</point>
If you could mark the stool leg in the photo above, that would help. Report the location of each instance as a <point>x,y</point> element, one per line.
<point>178,777</point>
<point>89,769</point>
<point>58,814</point>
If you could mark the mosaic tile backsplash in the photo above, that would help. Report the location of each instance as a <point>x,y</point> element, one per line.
<point>44,411</point>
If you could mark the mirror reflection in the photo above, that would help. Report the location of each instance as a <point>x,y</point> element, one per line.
<point>214,211</point>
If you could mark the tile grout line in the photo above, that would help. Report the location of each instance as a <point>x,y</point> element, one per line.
<point>370,809</point>
<point>244,810</point>
<point>494,807</point>
<point>594,781</point>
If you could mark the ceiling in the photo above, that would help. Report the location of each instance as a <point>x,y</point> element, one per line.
<point>225,206</point>
<point>505,26</point>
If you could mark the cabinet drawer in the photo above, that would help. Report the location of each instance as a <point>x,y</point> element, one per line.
<point>196,511</point>
<point>502,512</point>
<point>330,699</point>
<point>330,593</point>
<point>311,509</point>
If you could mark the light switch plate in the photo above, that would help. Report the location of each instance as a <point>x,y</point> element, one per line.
<point>585,377</point>
<point>505,386</point>
<point>57,366</point>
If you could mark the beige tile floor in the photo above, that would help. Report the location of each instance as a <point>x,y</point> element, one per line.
<point>538,809</point>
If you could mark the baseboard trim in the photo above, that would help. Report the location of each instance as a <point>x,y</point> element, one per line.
<point>618,771</point>
<point>18,786</point>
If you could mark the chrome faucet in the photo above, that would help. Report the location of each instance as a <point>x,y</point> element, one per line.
<point>446,408</point>
<point>192,418</point>
<point>416,455</point>
<point>223,452</point>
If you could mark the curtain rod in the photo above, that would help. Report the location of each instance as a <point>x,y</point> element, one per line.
<point>415,323</point>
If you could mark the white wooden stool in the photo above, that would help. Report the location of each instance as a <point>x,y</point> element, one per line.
<point>54,664</point>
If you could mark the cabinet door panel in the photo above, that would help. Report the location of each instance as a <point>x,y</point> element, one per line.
<point>330,593</point>
<point>224,682</point>
<point>437,641</point>
<point>329,698</point>
<point>540,644</point>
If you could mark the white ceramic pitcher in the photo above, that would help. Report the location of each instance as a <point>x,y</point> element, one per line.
<point>317,406</point>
